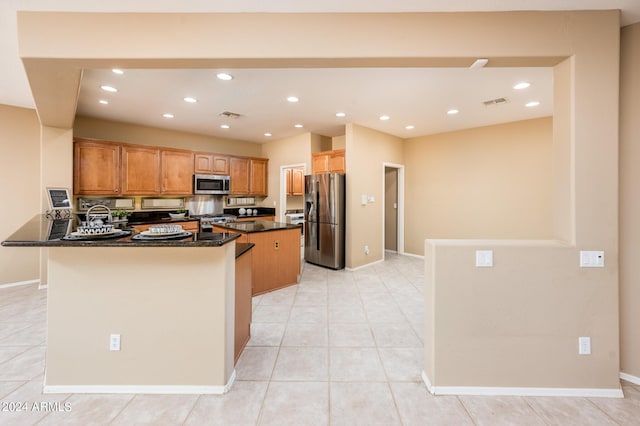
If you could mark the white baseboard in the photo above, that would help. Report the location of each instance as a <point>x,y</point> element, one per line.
<point>19,283</point>
<point>413,255</point>
<point>364,266</point>
<point>517,391</point>
<point>143,389</point>
<point>629,378</point>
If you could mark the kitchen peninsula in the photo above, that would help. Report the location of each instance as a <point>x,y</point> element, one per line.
<point>276,255</point>
<point>128,316</point>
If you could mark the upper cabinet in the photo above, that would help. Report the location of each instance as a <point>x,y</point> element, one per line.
<point>140,170</point>
<point>111,168</point>
<point>239,169</point>
<point>177,172</point>
<point>259,170</point>
<point>96,168</point>
<point>329,162</point>
<point>248,176</point>
<point>295,181</point>
<point>211,164</point>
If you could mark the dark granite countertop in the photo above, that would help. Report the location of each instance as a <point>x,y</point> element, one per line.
<point>42,231</point>
<point>242,248</point>
<point>257,226</point>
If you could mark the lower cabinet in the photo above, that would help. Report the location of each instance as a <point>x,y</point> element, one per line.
<point>276,259</point>
<point>243,302</point>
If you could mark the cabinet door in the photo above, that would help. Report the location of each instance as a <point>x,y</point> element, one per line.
<point>320,163</point>
<point>96,168</point>
<point>211,164</point>
<point>287,181</point>
<point>140,170</point>
<point>258,177</point>
<point>297,182</point>
<point>239,172</point>
<point>177,172</point>
<point>220,165</point>
<point>203,163</point>
<point>337,162</point>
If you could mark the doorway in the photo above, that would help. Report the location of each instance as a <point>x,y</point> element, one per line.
<point>393,208</point>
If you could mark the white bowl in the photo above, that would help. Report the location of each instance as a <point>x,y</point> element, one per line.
<point>242,211</point>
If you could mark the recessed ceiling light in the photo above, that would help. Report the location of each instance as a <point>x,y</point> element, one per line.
<point>103,102</point>
<point>341,114</point>
<point>224,76</point>
<point>225,126</point>
<point>409,127</point>
<point>532,104</point>
<point>108,88</point>
<point>384,117</point>
<point>117,71</point>
<point>522,85</point>
<point>268,134</point>
<point>293,99</point>
<point>452,111</point>
<point>190,100</point>
<point>167,115</point>
<point>298,126</point>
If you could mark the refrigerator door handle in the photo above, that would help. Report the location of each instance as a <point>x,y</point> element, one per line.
<point>317,203</point>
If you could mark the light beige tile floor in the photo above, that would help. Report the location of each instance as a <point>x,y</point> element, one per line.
<point>340,348</point>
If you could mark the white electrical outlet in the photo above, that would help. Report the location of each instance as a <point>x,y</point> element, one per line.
<point>584,345</point>
<point>366,250</point>
<point>484,258</point>
<point>591,259</point>
<point>114,342</point>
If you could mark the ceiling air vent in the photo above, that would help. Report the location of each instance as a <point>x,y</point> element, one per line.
<point>229,114</point>
<point>496,101</point>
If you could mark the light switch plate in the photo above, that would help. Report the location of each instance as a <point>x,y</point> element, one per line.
<point>584,345</point>
<point>484,258</point>
<point>591,259</point>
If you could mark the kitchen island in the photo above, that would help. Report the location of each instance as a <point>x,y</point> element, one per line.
<point>276,255</point>
<point>128,316</point>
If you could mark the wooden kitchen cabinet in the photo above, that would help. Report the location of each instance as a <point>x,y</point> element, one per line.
<point>211,164</point>
<point>239,170</point>
<point>140,170</point>
<point>329,162</point>
<point>259,170</point>
<point>276,259</point>
<point>96,167</point>
<point>177,172</point>
<point>248,176</point>
<point>243,302</point>
<point>295,181</point>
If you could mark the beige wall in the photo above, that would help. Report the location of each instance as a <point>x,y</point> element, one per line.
<point>284,152</point>
<point>338,142</point>
<point>20,171</point>
<point>630,200</point>
<point>366,152</point>
<point>488,182</point>
<point>89,127</point>
<point>53,54</point>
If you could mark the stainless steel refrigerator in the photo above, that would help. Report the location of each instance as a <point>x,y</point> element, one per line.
<point>324,205</point>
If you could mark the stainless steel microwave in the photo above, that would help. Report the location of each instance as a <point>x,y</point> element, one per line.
<point>211,184</point>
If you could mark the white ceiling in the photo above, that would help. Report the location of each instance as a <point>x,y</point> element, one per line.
<point>419,97</point>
